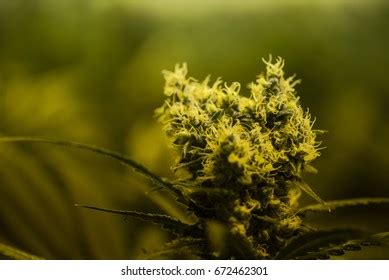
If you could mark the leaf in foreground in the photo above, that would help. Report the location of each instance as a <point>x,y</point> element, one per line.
<point>312,241</point>
<point>334,204</point>
<point>105,152</point>
<point>16,254</point>
<point>378,239</point>
<point>167,222</point>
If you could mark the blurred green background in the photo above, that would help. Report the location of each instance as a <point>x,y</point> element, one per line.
<point>90,71</point>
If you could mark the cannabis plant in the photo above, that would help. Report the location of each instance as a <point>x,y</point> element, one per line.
<point>240,165</point>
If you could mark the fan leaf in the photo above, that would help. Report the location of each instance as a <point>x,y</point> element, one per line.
<point>16,254</point>
<point>381,238</point>
<point>312,241</point>
<point>377,239</point>
<point>157,180</point>
<point>167,222</point>
<point>334,204</point>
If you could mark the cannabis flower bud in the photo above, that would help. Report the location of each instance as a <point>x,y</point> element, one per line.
<point>245,154</point>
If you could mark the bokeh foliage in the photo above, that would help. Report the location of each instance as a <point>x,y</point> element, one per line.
<point>91,71</point>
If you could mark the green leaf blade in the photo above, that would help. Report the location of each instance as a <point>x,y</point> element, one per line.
<point>167,222</point>
<point>351,245</point>
<point>312,241</point>
<point>381,238</point>
<point>157,180</point>
<point>334,204</point>
<point>16,254</point>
